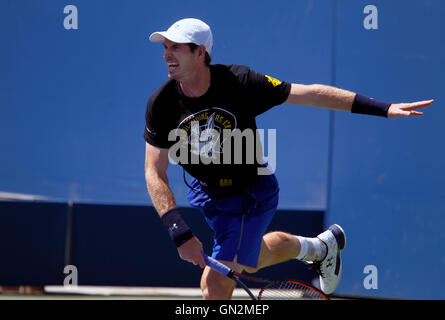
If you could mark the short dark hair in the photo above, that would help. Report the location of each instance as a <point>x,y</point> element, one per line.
<point>207,59</point>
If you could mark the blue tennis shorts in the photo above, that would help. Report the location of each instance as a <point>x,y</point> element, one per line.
<point>239,222</point>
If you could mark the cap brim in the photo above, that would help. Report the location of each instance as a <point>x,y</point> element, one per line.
<point>162,35</point>
<point>157,36</point>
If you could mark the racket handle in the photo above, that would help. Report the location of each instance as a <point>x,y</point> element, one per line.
<point>216,265</point>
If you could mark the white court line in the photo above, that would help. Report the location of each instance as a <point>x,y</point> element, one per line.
<point>137,291</point>
<point>20,196</point>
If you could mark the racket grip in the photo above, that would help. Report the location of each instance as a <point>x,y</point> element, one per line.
<point>216,265</point>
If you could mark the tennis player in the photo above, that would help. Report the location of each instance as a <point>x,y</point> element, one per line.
<point>238,198</point>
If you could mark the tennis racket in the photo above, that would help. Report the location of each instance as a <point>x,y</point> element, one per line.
<point>269,289</point>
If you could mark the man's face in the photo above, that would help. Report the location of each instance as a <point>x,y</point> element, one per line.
<point>180,59</point>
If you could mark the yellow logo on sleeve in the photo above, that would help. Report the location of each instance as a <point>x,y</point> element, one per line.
<point>275,82</point>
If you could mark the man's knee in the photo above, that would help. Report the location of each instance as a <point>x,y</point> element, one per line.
<point>216,286</point>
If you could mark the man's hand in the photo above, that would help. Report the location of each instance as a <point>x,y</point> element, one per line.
<point>407,109</point>
<point>191,251</point>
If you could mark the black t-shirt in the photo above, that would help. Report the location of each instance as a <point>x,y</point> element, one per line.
<point>235,97</point>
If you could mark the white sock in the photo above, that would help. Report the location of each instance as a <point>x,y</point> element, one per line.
<point>311,249</point>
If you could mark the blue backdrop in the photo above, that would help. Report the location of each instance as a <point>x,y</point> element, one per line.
<point>72,105</point>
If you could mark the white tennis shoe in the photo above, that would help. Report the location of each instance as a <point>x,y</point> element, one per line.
<point>330,267</point>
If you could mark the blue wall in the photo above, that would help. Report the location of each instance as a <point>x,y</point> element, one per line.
<point>73,101</point>
<point>388,175</point>
<point>72,106</point>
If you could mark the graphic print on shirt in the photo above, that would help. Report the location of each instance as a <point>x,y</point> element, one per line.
<point>205,132</point>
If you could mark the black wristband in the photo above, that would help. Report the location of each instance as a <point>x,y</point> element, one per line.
<point>178,230</point>
<point>365,105</point>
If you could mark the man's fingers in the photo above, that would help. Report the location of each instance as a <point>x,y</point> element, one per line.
<point>403,113</point>
<point>194,260</point>
<point>419,104</point>
<point>197,260</point>
<point>201,261</point>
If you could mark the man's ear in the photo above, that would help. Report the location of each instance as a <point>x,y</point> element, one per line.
<point>202,50</point>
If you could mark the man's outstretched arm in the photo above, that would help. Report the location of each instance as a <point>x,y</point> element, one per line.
<point>323,96</point>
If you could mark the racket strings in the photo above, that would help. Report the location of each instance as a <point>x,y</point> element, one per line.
<point>289,290</point>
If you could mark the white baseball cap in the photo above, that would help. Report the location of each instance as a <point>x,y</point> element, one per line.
<point>187,31</point>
